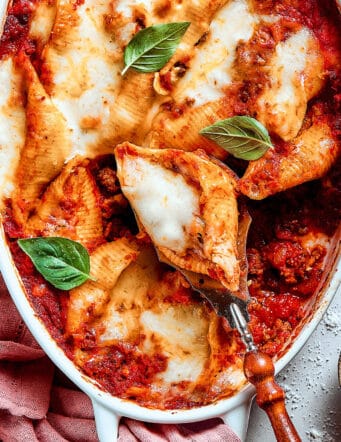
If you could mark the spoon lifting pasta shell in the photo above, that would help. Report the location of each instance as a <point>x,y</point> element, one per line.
<point>258,366</point>
<point>187,203</point>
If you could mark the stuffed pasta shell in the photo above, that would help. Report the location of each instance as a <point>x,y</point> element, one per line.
<point>188,206</point>
<point>246,64</point>
<point>296,74</point>
<point>47,144</point>
<point>307,157</point>
<point>90,299</point>
<point>69,207</point>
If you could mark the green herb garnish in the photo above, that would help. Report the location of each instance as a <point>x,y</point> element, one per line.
<point>151,48</point>
<point>243,137</point>
<point>62,262</point>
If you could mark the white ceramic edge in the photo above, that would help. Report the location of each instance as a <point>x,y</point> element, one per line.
<point>108,409</point>
<point>238,418</point>
<point>104,402</point>
<point>3,9</point>
<point>100,398</point>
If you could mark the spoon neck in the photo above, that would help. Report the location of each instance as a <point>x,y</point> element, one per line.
<point>243,328</point>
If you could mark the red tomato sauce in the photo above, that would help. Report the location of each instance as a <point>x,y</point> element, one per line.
<point>284,277</point>
<point>120,369</point>
<point>15,35</point>
<point>283,274</point>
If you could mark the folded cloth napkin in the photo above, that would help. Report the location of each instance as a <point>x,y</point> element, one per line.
<point>37,402</point>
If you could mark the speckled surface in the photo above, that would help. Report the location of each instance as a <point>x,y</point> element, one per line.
<point>311,384</point>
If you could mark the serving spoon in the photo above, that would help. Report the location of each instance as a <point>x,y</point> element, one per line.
<point>258,367</point>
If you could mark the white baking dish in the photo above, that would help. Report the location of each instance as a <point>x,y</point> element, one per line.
<point>108,409</point>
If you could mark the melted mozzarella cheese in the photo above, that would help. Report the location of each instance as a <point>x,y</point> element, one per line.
<point>42,21</point>
<point>114,328</point>
<point>86,75</point>
<point>12,124</point>
<point>211,68</point>
<point>282,106</point>
<point>125,6</point>
<point>166,205</point>
<point>232,376</point>
<point>313,239</point>
<point>180,333</point>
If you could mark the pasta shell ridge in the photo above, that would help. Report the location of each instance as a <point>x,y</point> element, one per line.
<point>87,301</point>
<point>310,156</point>
<point>69,207</point>
<point>46,147</point>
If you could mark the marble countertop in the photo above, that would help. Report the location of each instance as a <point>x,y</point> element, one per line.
<point>311,385</point>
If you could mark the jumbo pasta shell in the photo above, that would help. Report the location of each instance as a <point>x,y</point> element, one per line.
<point>47,144</point>
<point>310,156</point>
<point>187,204</point>
<point>107,263</point>
<point>69,207</point>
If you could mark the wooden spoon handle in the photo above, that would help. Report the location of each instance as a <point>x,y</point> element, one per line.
<point>259,370</point>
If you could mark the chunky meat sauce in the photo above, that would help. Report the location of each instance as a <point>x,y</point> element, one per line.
<point>284,273</point>
<point>15,36</point>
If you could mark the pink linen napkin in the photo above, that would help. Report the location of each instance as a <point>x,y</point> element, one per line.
<point>38,403</point>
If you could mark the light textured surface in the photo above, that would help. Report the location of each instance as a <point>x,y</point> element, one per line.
<point>311,384</point>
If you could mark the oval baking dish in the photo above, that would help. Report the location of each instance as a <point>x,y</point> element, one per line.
<point>161,122</point>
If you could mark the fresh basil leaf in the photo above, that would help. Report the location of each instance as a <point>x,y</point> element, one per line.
<point>62,262</point>
<point>151,48</point>
<point>243,137</point>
